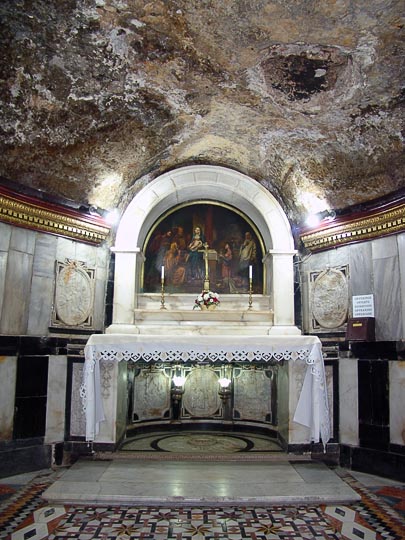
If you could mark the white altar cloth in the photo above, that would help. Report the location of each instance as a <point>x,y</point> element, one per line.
<point>312,408</point>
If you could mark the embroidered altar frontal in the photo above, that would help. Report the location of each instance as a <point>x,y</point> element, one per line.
<point>301,354</point>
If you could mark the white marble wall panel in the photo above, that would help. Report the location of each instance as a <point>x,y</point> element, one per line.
<point>384,248</point>
<point>108,428</point>
<point>282,400</point>
<point>387,298</point>
<point>40,307</point>
<point>401,258</point>
<point>42,285</point>
<point>360,268</point>
<point>103,258</point>
<point>122,402</point>
<point>331,396</point>
<point>65,249</point>
<point>316,262</point>
<point>56,402</point>
<point>77,416</point>
<point>45,255</point>
<point>339,256</point>
<point>14,316</point>
<point>348,401</point>
<point>396,402</point>
<point>23,240</point>
<point>8,376</point>
<point>305,298</point>
<point>99,304</point>
<point>5,235</point>
<point>3,268</point>
<point>86,253</point>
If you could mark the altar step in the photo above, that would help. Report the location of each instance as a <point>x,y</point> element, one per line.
<point>198,484</point>
<point>249,457</point>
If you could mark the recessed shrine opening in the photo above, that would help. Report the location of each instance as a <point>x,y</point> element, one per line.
<point>169,402</point>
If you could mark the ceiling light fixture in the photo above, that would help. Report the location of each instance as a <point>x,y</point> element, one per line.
<point>112,216</point>
<point>313,220</point>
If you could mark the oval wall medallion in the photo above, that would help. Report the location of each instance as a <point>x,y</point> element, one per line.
<point>73,294</point>
<point>201,393</point>
<point>330,298</point>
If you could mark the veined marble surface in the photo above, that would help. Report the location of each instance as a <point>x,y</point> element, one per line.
<point>55,410</point>
<point>397,397</point>
<point>202,483</point>
<point>8,372</point>
<point>348,401</point>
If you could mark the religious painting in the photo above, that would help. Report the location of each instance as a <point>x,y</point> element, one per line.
<point>203,238</point>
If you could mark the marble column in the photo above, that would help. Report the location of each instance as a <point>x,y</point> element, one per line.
<point>127,277</point>
<point>280,276</point>
<point>396,403</point>
<point>8,372</point>
<point>348,401</point>
<point>114,398</point>
<point>55,409</point>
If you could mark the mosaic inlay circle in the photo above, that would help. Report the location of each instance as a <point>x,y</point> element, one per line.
<point>202,443</point>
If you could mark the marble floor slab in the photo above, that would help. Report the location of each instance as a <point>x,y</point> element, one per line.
<point>128,482</point>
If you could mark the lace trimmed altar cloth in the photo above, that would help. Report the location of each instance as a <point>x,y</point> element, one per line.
<point>312,408</point>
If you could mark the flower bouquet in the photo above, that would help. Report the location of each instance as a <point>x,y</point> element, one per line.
<point>206,300</point>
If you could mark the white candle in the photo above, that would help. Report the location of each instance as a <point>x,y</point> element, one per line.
<point>163,272</point>
<point>250,272</point>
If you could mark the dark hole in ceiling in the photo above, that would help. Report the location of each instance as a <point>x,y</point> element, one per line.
<point>299,77</point>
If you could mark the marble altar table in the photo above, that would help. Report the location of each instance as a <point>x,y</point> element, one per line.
<point>312,409</point>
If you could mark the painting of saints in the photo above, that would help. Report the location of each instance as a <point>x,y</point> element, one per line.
<point>195,260</point>
<point>178,242</point>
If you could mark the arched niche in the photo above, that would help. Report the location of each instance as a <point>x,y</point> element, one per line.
<point>194,183</point>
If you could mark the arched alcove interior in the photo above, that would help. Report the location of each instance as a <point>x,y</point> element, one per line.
<point>209,183</point>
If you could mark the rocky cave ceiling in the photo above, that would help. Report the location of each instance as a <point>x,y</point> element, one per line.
<point>99,97</point>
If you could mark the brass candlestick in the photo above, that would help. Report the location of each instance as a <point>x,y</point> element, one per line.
<point>250,293</point>
<point>162,295</point>
<point>207,276</point>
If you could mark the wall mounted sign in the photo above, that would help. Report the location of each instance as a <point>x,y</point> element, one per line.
<point>363,305</point>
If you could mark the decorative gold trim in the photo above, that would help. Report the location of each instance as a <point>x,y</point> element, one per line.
<point>39,216</point>
<point>382,222</point>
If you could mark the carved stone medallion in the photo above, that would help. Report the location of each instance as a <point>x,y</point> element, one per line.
<point>151,396</point>
<point>252,393</point>
<point>74,294</point>
<point>330,298</point>
<point>201,392</point>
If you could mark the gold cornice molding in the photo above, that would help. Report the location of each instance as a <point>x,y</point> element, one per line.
<point>380,222</point>
<point>37,215</point>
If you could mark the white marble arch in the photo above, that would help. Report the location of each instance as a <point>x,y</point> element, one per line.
<point>194,183</point>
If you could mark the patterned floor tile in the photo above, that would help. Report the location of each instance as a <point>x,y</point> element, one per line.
<point>27,517</point>
<point>6,491</point>
<point>394,496</point>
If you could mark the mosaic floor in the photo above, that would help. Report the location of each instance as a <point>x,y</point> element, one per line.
<point>201,442</point>
<point>378,516</point>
